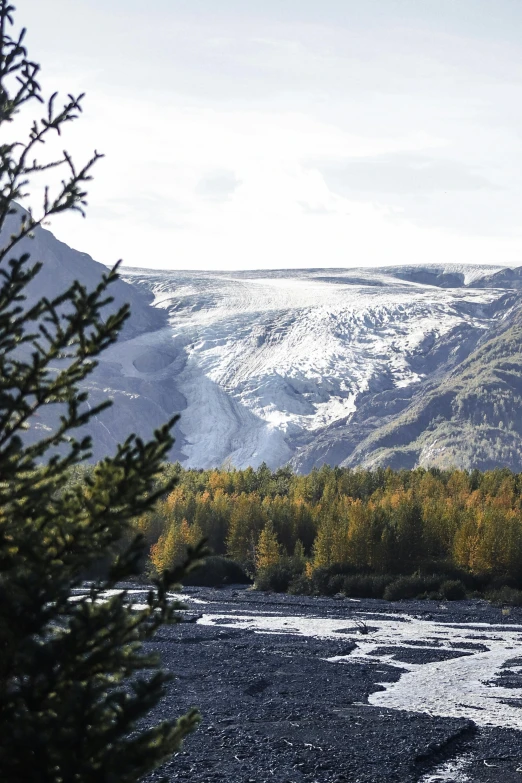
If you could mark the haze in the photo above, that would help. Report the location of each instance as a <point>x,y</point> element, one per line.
<point>291,133</point>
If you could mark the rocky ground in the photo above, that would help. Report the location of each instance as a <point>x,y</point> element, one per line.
<point>275,709</point>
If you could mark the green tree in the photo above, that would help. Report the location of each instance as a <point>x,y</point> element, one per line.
<point>246,522</point>
<point>74,678</point>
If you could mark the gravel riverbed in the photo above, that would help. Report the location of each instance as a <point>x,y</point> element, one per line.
<point>295,689</point>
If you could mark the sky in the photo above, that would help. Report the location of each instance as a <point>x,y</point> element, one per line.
<point>244,134</point>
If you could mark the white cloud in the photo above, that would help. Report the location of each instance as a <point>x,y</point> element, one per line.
<point>221,133</point>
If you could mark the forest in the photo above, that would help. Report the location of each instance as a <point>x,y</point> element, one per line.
<point>369,533</point>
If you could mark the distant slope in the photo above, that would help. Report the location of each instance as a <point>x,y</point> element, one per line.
<point>449,275</point>
<point>62,265</point>
<point>138,405</point>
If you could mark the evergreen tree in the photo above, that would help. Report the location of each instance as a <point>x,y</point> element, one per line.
<point>74,679</point>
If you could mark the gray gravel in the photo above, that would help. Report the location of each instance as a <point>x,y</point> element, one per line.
<point>275,710</point>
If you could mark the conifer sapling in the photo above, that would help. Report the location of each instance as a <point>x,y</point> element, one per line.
<point>75,681</point>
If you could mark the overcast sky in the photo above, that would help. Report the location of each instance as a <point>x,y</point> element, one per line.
<point>291,133</point>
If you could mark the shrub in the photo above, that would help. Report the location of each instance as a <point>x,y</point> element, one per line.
<point>300,585</point>
<point>506,595</point>
<point>366,585</point>
<point>452,590</point>
<point>432,587</point>
<point>412,587</point>
<point>499,581</point>
<point>328,580</point>
<point>218,571</point>
<point>478,582</point>
<point>335,584</point>
<point>275,578</point>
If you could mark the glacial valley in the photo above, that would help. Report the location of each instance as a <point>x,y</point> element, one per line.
<point>398,366</point>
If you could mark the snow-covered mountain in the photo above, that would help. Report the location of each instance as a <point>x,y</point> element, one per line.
<point>274,366</point>
<point>304,366</point>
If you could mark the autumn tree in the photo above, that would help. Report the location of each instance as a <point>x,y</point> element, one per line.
<point>172,547</point>
<point>268,550</point>
<point>246,522</point>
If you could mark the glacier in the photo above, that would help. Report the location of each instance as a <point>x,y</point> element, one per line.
<point>266,360</point>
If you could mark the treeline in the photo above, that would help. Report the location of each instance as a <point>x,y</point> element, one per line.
<point>289,530</point>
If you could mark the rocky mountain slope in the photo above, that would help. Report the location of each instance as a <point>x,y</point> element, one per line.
<point>472,418</point>
<point>401,365</point>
